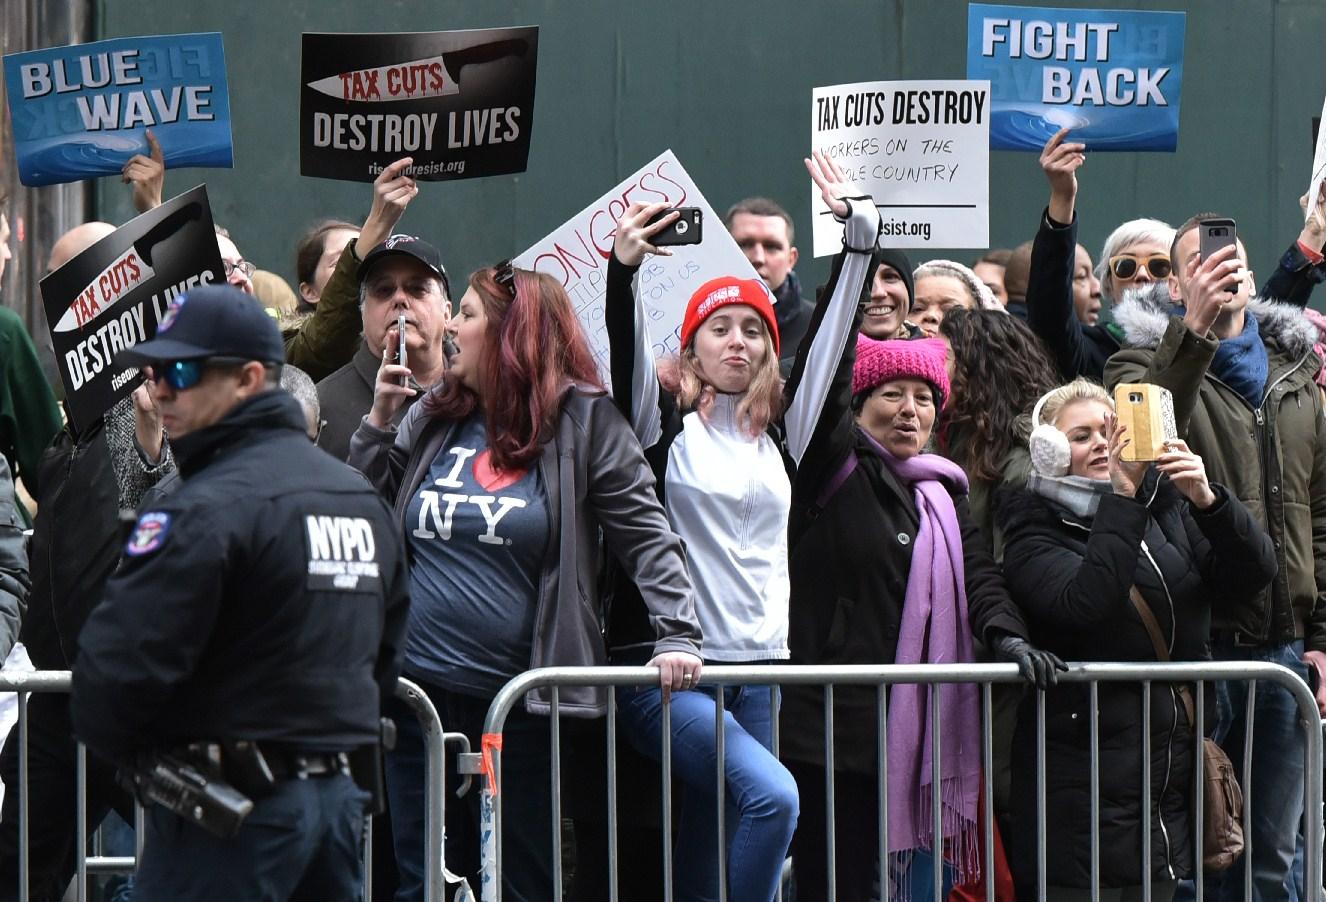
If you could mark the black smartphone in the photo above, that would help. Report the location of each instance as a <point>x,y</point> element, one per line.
<point>400,347</point>
<point>687,229</point>
<point>1214,234</point>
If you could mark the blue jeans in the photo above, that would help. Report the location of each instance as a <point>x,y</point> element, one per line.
<point>761,811</point>
<point>527,850</point>
<point>303,842</point>
<point>1276,808</point>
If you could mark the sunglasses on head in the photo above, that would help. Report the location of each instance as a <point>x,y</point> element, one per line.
<point>1125,266</point>
<point>505,275</point>
<point>182,374</point>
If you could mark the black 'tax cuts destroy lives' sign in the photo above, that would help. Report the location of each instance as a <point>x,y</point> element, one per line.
<point>112,296</point>
<point>460,103</point>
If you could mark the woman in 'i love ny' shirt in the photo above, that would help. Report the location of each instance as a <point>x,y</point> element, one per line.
<point>503,478</point>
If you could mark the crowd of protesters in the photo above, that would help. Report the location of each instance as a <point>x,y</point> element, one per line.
<point>924,465</point>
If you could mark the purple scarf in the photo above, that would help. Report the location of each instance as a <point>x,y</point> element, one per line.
<point>935,630</point>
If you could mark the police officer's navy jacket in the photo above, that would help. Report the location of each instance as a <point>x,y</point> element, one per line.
<point>265,599</point>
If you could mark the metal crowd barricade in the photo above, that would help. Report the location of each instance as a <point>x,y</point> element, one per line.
<point>435,741</point>
<point>881,677</point>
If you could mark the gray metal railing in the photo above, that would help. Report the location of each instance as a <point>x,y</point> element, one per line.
<point>881,677</point>
<point>435,742</point>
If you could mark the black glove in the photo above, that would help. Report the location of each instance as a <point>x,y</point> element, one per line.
<point>1035,665</point>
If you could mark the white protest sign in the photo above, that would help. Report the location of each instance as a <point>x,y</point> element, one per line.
<point>921,149</point>
<point>577,255</point>
<point>1318,165</point>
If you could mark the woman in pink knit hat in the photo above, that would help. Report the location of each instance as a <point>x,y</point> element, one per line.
<point>888,567</point>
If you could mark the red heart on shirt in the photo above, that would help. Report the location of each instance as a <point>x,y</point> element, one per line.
<point>491,478</point>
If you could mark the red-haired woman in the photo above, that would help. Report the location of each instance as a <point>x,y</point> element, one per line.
<point>503,478</point>
<point>723,434</point>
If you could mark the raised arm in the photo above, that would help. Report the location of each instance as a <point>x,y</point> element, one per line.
<point>635,387</point>
<point>821,355</point>
<point>1302,266</point>
<point>147,175</point>
<point>1050,312</point>
<point>327,340</point>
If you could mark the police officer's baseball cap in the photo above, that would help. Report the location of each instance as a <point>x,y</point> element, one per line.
<point>406,246</point>
<point>211,321</point>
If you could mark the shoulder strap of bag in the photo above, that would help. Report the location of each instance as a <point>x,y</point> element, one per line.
<point>1158,643</point>
<point>1149,621</point>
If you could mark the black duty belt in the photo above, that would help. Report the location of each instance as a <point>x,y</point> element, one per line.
<point>275,763</point>
<point>291,765</point>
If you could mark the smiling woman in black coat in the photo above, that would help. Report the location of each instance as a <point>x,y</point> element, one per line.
<point>1087,528</point>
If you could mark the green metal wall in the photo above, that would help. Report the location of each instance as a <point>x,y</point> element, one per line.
<point>726,84</point>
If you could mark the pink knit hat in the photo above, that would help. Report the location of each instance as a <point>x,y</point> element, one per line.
<point>878,362</point>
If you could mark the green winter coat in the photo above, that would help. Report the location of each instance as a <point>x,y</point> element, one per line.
<point>1272,457</point>
<point>29,416</point>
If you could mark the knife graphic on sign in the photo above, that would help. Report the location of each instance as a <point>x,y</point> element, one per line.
<point>130,269</point>
<point>432,76</point>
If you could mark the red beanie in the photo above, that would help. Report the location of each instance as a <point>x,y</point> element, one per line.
<point>878,362</point>
<point>726,290</point>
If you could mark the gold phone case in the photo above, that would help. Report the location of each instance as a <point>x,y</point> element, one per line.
<point>1148,412</point>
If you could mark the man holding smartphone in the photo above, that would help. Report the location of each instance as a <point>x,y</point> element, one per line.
<point>1242,374</point>
<point>400,280</point>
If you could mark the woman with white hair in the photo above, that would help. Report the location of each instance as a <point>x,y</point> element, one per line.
<point>1135,254</point>
<point>942,285</point>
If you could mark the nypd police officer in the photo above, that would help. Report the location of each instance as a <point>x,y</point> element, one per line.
<point>254,625</point>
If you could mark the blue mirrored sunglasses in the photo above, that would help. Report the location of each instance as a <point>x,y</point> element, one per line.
<point>182,374</point>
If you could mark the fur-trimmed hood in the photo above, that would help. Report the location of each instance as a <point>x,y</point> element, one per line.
<point>1144,315</point>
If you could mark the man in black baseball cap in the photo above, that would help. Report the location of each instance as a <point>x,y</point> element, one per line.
<point>407,246</point>
<point>402,276</point>
<point>252,630</point>
<point>216,347</point>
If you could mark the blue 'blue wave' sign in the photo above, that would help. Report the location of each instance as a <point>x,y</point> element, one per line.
<point>81,111</point>
<point>1113,76</point>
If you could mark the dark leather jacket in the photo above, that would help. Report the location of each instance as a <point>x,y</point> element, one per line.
<point>596,478</point>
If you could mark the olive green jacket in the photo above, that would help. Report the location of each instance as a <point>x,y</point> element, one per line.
<point>323,342</point>
<point>1272,457</point>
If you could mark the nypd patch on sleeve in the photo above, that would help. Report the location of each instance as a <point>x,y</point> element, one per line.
<point>149,533</point>
<point>342,554</point>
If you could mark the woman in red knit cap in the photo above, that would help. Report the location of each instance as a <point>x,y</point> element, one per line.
<point>887,567</point>
<point>723,434</point>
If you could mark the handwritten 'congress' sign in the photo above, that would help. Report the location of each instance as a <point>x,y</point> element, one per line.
<point>577,255</point>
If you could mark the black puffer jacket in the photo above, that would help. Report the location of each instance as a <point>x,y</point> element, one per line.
<point>1071,576</point>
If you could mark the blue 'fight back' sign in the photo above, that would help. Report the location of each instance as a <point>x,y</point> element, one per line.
<point>81,111</point>
<point>1113,76</point>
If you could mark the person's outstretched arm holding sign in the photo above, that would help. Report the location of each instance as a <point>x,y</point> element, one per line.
<point>1058,263</point>
<point>147,175</point>
<point>327,340</point>
<point>1303,266</point>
